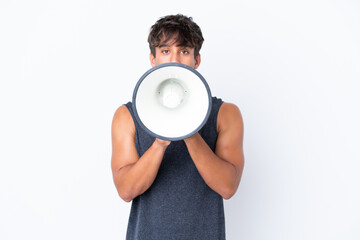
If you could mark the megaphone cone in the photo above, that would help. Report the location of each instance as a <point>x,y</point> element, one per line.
<point>172,101</point>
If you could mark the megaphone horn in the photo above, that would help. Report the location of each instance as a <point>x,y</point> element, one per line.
<point>172,101</point>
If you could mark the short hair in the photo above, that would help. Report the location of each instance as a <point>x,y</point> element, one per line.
<point>179,27</point>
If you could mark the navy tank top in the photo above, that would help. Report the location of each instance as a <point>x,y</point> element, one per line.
<point>178,205</point>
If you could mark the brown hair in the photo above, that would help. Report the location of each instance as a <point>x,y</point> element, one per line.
<point>179,27</point>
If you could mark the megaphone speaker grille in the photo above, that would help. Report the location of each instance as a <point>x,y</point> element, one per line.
<point>172,101</point>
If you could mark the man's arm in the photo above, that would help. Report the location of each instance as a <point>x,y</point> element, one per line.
<point>132,175</point>
<point>221,170</point>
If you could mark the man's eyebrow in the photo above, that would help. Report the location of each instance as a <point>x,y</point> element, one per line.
<point>163,45</point>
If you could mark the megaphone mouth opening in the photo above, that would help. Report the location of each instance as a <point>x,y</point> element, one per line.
<point>172,93</point>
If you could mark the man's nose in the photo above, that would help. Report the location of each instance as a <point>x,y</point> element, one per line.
<point>174,58</point>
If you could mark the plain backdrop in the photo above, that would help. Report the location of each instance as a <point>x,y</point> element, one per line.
<point>292,67</point>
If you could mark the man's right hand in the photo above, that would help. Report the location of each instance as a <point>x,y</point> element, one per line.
<point>162,143</point>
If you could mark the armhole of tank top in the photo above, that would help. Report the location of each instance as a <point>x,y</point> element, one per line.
<point>217,116</point>
<point>129,108</point>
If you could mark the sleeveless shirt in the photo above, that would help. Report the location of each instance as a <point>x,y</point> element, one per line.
<point>178,205</point>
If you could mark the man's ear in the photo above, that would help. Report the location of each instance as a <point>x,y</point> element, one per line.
<point>197,61</point>
<point>152,60</point>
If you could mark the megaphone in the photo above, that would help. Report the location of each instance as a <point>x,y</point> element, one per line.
<point>172,101</point>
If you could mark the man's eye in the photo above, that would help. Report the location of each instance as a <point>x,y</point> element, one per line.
<point>185,52</point>
<point>165,51</point>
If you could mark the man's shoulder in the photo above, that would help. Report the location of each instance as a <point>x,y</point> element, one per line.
<point>225,107</point>
<point>123,115</point>
<point>228,107</point>
<point>229,114</point>
<point>122,110</point>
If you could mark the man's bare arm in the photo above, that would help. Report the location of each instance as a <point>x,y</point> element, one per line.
<point>221,170</point>
<point>132,175</point>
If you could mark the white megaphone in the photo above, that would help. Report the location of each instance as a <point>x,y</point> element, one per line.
<point>172,101</point>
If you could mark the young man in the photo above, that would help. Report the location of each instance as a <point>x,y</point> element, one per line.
<point>177,188</point>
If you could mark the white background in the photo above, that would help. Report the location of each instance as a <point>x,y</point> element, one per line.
<point>292,67</point>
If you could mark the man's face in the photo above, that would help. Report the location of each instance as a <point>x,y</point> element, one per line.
<point>171,52</point>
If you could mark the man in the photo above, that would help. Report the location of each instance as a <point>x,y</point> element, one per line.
<point>177,188</point>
